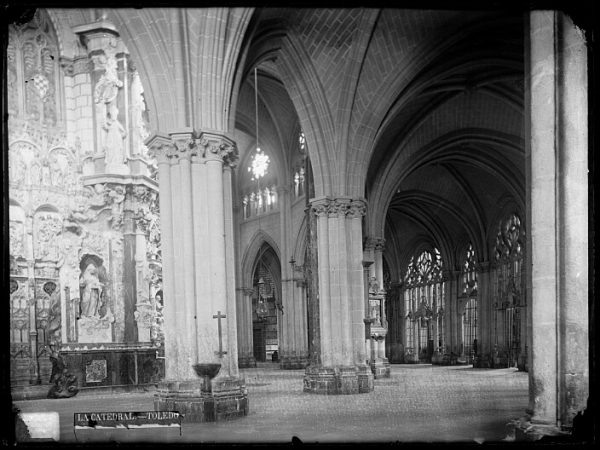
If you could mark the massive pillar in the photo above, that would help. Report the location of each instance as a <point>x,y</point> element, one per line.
<point>556,99</point>
<point>341,301</point>
<point>198,276</point>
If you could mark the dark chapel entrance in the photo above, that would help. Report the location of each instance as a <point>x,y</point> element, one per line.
<point>266,305</point>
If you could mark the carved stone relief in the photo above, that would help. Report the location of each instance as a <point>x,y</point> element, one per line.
<point>16,238</point>
<point>112,132</point>
<point>34,54</point>
<point>62,218</point>
<point>19,319</point>
<point>48,317</point>
<point>138,115</point>
<point>95,315</point>
<point>47,228</point>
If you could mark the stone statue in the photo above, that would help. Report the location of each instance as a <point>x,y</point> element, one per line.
<point>113,142</point>
<point>91,290</point>
<point>373,285</point>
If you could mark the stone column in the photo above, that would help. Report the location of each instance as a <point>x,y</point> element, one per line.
<point>301,313</point>
<point>342,369</point>
<point>199,285</point>
<point>556,77</point>
<point>287,338</point>
<point>34,375</point>
<point>129,276</point>
<point>162,149</point>
<point>230,266</point>
<point>484,315</point>
<point>216,153</point>
<point>244,328</point>
<point>452,319</point>
<point>183,238</point>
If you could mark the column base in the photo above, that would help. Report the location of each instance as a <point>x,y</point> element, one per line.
<point>293,362</point>
<point>224,398</point>
<point>365,379</point>
<point>337,380</point>
<point>246,362</point>
<point>524,430</point>
<point>380,368</point>
<point>522,362</point>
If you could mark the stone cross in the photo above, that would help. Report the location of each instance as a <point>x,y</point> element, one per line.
<point>220,316</point>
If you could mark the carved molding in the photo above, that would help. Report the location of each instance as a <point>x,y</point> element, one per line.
<point>358,208</point>
<point>185,145</point>
<point>327,207</point>
<point>216,146</point>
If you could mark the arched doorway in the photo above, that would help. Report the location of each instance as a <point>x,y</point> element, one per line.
<point>266,305</point>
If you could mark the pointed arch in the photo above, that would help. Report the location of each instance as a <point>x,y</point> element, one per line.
<point>308,96</point>
<point>252,253</point>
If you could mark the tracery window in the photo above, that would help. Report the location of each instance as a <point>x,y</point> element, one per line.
<point>470,315</point>
<point>424,306</point>
<point>508,290</point>
<point>33,72</point>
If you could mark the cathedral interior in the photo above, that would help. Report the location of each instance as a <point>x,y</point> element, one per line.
<point>341,194</point>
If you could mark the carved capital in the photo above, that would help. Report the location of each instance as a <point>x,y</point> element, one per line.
<point>218,147</point>
<point>339,207</point>
<point>357,209</point>
<point>184,144</point>
<point>320,207</point>
<point>161,147</point>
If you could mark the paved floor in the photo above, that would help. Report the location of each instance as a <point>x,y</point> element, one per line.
<point>421,403</point>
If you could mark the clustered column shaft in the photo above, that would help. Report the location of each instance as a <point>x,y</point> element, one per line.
<point>341,287</point>
<point>197,282</point>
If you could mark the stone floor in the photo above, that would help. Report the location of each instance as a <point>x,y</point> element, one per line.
<point>421,403</point>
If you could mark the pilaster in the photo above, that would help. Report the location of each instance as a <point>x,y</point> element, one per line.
<point>556,90</point>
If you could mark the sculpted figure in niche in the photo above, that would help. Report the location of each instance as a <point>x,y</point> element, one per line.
<point>91,288</point>
<point>113,142</point>
<point>373,285</point>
